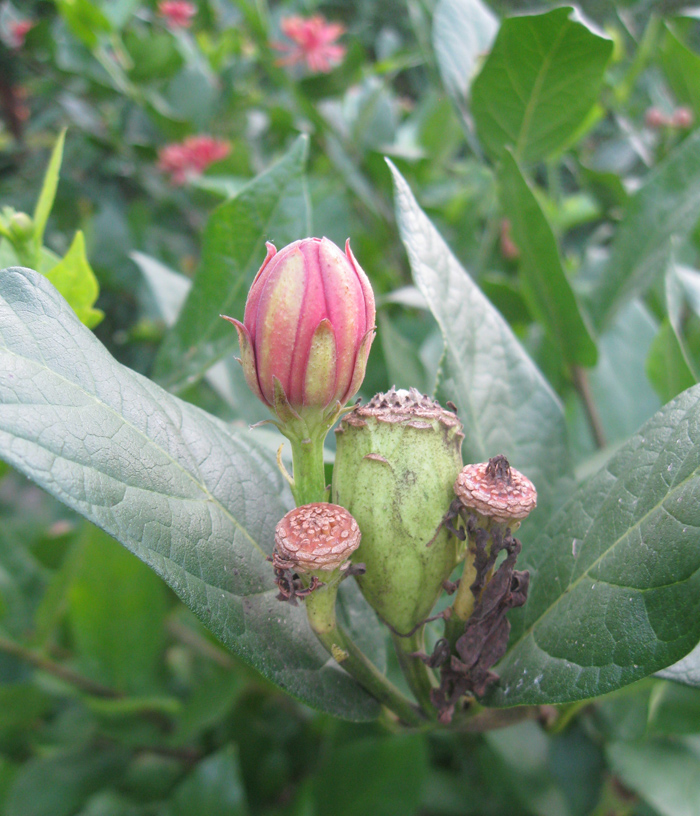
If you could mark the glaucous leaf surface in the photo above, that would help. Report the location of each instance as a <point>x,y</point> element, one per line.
<point>544,283</point>
<point>463,31</point>
<point>193,498</point>
<point>666,775</point>
<point>505,403</point>
<point>666,205</point>
<point>615,578</point>
<point>541,78</point>
<point>273,207</point>
<point>686,670</point>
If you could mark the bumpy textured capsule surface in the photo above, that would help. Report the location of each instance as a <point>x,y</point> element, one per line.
<point>317,536</point>
<point>496,490</point>
<point>308,327</point>
<point>396,462</point>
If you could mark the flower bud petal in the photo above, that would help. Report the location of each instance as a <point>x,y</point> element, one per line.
<point>247,358</point>
<point>319,382</point>
<point>309,318</point>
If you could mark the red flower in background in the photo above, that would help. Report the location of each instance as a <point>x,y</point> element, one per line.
<point>18,32</point>
<point>191,157</point>
<point>177,13</point>
<point>314,43</point>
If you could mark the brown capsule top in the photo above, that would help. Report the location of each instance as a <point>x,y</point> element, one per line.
<point>404,406</point>
<point>317,536</point>
<point>496,490</point>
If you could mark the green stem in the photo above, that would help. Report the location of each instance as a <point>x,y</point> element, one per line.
<point>40,661</point>
<point>320,609</point>
<point>309,474</point>
<point>420,678</point>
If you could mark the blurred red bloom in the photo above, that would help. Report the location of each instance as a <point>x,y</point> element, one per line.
<point>314,43</point>
<point>191,157</point>
<point>18,32</point>
<point>177,13</point>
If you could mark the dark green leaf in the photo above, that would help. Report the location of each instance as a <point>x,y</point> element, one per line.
<point>664,774</point>
<point>615,584</point>
<point>682,69</point>
<point>58,783</point>
<point>382,776</point>
<point>272,207</point>
<point>674,709</point>
<point>463,31</point>
<point>667,368</point>
<point>193,498</point>
<point>503,400</point>
<point>538,84</point>
<point>116,612</point>
<point>666,205</point>
<point>214,788</point>
<point>545,285</point>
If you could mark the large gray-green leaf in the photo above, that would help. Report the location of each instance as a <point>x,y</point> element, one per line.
<point>615,585</point>
<point>541,79</point>
<point>686,671</point>
<point>463,31</point>
<point>667,205</point>
<point>193,498</point>
<point>663,773</point>
<point>504,401</point>
<point>545,285</point>
<point>273,207</point>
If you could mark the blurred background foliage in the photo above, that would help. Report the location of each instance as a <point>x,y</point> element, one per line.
<point>114,701</point>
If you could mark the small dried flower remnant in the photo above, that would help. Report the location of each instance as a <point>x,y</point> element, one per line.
<point>18,31</point>
<point>314,43</point>
<point>497,491</point>
<point>318,536</point>
<point>185,160</point>
<point>314,539</point>
<point>307,330</point>
<point>177,13</point>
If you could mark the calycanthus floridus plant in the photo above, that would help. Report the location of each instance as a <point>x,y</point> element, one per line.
<point>405,543</point>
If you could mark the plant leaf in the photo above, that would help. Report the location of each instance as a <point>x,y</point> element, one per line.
<point>75,280</point>
<point>274,207</point>
<point>667,205</point>
<point>47,195</point>
<point>545,285</point>
<point>505,403</point>
<point>663,773</point>
<point>463,31</point>
<point>615,585</point>
<point>682,69</point>
<point>686,671</point>
<point>538,84</point>
<point>193,498</point>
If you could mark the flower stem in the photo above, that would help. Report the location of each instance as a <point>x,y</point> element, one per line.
<point>309,475</point>
<point>419,677</point>
<point>320,609</point>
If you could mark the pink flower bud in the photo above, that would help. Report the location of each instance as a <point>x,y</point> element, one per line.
<point>307,330</point>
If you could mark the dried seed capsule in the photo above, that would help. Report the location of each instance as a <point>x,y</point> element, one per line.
<point>497,491</point>
<point>396,462</point>
<point>313,537</point>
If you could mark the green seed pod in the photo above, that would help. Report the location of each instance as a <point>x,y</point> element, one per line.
<point>397,460</point>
